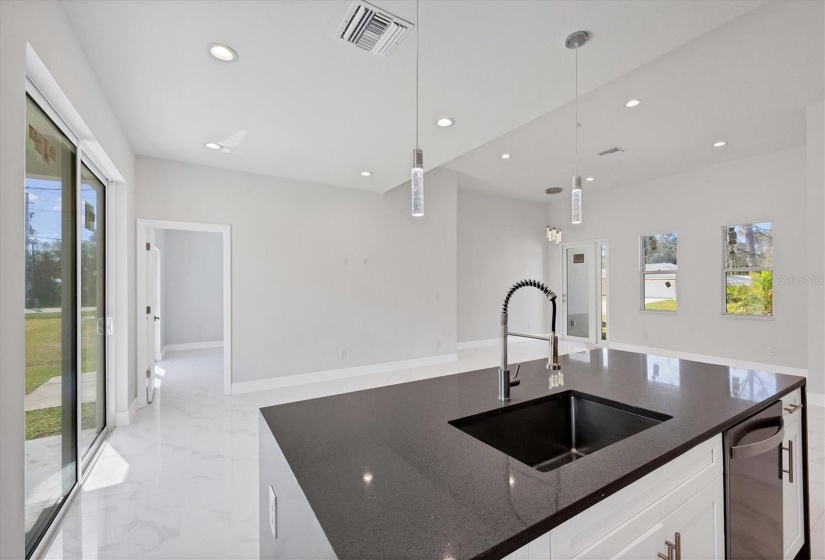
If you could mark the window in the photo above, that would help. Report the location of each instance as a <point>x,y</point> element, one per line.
<point>749,269</point>
<point>659,272</point>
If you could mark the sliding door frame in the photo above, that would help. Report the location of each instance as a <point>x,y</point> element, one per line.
<point>83,462</point>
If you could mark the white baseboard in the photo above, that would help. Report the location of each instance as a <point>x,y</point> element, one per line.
<point>731,362</point>
<point>336,374</point>
<point>193,346</point>
<point>494,342</point>
<point>477,344</point>
<point>816,399</point>
<point>125,418</point>
<point>160,355</point>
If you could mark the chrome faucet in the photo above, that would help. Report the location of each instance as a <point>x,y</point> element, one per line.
<point>504,379</point>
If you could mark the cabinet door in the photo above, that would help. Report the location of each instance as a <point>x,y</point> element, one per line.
<point>646,545</point>
<point>700,524</point>
<point>793,512</point>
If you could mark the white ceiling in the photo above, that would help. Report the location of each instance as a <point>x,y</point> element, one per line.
<point>317,109</point>
<point>747,82</point>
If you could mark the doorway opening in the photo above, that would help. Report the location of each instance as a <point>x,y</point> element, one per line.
<point>184,296</point>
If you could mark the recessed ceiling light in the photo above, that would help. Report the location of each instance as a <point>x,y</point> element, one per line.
<point>213,146</point>
<point>505,156</point>
<point>366,173</point>
<point>445,122</point>
<point>590,179</point>
<point>719,144</point>
<point>633,103</point>
<point>222,52</point>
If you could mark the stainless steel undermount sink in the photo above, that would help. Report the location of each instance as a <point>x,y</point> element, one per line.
<point>552,431</point>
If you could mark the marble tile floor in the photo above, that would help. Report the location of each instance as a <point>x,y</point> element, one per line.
<point>180,482</point>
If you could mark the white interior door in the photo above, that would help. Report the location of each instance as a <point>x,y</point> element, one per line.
<point>578,270</point>
<point>151,301</point>
<point>157,310</point>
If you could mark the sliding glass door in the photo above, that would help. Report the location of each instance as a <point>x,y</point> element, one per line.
<point>65,317</point>
<point>51,321</point>
<point>92,308</point>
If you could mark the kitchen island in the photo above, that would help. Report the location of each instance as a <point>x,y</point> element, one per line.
<point>383,473</point>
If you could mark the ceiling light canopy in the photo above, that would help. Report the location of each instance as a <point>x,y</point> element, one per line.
<point>445,122</point>
<point>366,173</point>
<point>222,52</point>
<point>213,146</point>
<point>505,156</point>
<point>633,103</point>
<point>719,144</point>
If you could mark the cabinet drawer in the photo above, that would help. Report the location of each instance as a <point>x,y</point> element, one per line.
<point>792,406</point>
<point>617,521</point>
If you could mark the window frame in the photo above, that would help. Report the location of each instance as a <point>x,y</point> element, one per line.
<point>726,270</point>
<point>643,273</point>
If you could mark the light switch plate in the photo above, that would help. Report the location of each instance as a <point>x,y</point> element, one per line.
<point>273,512</point>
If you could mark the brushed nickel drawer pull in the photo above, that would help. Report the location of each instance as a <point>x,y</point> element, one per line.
<point>793,408</point>
<point>673,547</point>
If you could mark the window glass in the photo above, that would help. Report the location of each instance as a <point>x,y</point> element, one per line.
<point>659,271</point>
<point>50,321</point>
<point>749,269</point>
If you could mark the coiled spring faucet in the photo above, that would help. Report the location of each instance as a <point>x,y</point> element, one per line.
<point>504,379</point>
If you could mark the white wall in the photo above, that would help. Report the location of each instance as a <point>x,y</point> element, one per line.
<point>815,205</point>
<point>295,305</point>
<point>696,205</point>
<point>500,241</point>
<point>46,28</point>
<point>192,286</point>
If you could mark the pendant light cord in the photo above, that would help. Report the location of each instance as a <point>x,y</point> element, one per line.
<point>577,110</point>
<point>417,27</point>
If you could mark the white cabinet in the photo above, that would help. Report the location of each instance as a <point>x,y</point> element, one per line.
<point>699,524</point>
<point>793,500</point>
<point>685,496</point>
<point>698,521</point>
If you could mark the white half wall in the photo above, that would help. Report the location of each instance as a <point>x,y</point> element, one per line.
<point>44,27</point>
<point>500,241</point>
<point>696,205</point>
<point>192,287</point>
<point>324,278</point>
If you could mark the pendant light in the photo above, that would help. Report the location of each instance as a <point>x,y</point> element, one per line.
<point>554,231</point>
<point>574,41</point>
<point>417,171</point>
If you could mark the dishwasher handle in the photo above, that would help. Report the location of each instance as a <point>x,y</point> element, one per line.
<point>759,447</point>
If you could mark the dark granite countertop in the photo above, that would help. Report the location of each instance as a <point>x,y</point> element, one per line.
<point>436,492</point>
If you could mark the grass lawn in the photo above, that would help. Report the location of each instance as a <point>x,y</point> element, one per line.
<point>43,347</point>
<point>664,305</point>
<point>43,362</point>
<point>49,421</point>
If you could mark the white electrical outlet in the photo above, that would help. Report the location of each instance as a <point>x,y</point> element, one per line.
<point>771,350</point>
<point>365,263</point>
<point>343,354</point>
<point>273,512</point>
<point>346,261</point>
<point>438,344</point>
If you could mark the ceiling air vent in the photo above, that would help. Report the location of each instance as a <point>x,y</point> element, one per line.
<point>611,151</point>
<point>372,29</point>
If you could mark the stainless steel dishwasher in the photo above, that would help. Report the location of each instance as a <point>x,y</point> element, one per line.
<point>753,504</point>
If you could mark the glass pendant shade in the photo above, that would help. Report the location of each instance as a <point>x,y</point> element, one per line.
<point>577,199</point>
<point>417,182</point>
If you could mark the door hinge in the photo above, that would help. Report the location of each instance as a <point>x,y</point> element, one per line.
<point>148,373</point>
<point>148,246</point>
<point>148,310</point>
